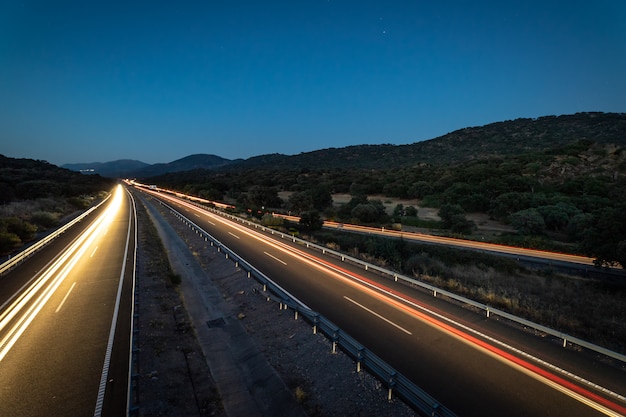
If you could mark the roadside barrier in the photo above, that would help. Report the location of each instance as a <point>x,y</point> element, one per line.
<point>397,384</point>
<point>32,249</point>
<point>435,291</point>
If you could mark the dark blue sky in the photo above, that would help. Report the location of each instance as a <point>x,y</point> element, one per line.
<point>89,81</point>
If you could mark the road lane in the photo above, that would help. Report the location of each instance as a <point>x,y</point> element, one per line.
<point>54,368</point>
<point>457,372</point>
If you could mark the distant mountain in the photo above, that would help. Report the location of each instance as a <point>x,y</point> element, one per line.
<point>113,169</point>
<point>125,168</point>
<point>511,137</point>
<point>188,163</point>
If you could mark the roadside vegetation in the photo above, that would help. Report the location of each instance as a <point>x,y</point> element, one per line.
<point>555,183</point>
<point>36,196</point>
<point>546,203</point>
<point>579,305</point>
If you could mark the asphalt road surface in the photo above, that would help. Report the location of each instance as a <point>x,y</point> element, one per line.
<point>65,320</point>
<point>432,342</point>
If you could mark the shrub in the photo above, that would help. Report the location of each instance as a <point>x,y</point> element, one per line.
<point>8,242</point>
<point>45,219</point>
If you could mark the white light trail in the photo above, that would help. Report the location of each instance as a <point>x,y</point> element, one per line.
<point>42,289</point>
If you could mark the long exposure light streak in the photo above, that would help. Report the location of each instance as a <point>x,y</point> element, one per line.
<point>400,302</point>
<point>23,310</point>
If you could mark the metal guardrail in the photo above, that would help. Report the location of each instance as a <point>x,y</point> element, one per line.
<point>489,311</point>
<point>395,382</point>
<point>32,249</point>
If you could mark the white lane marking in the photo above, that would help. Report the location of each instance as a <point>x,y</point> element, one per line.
<point>94,252</point>
<point>275,258</point>
<point>116,310</point>
<point>378,315</point>
<point>211,223</point>
<point>281,246</point>
<point>234,235</point>
<point>196,214</point>
<point>65,298</point>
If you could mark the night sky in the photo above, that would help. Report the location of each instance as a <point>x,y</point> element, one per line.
<point>91,81</point>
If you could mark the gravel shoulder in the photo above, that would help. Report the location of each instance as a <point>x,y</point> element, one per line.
<point>217,321</point>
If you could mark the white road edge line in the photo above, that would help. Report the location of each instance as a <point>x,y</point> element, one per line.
<point>109,349</point>
<point>275,258</point>
<point>65,298</point>
<point>397,297</point>
<point>378,315</point>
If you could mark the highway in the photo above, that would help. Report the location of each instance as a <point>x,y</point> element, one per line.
<point>511,251</point>
<point>65,320</point>
<point>474,366</point>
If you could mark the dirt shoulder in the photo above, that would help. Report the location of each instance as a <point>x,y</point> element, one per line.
<point>176,377</point>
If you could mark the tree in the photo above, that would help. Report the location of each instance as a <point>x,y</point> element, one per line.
<point>263,196</point>
<point>448,211</point>
<point>345,211</point>
<point>410,211</point>
<point>300,202</point>
<point>528,222</point>
<point>311,220</point>
<point>460,224</point>
<point>605,238</point>
<point>366,213</point>
<point>321,197</point>
<point>398,212</point>
<point>419,189</point>
<point>453,218</point>
<point>557,216</point>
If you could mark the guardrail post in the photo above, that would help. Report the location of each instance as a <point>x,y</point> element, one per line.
<point>335,338</point>
<point>392,383</point>
<point>359,357</point>
<point>487,311</point>
<point>316,320</point>
<point>435,412</point>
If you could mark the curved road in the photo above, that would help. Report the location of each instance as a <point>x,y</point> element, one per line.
<point>467,371</point>
<point>65,320</point>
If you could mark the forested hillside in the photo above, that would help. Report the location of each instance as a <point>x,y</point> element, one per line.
<point>512,137</point>
<point>36,195</point>
<point>554,177</point>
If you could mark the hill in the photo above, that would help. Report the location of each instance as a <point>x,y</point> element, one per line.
<point>512,137</point>
<point>113,169</point>
<point>36,196</point>
<point>127,168</point>
<point>554,179</point>
<point>188,163</point>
